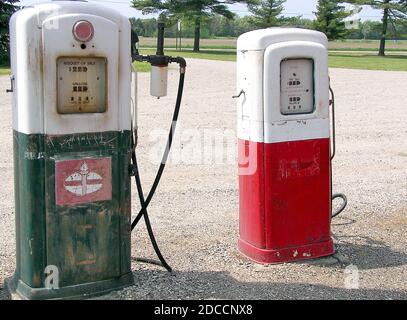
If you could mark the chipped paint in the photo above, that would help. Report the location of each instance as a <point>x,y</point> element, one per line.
<point>34,155</point>
<point>86,262</point>
<point>74,236</point>
<point>30,245</point>
<point>88,242</point>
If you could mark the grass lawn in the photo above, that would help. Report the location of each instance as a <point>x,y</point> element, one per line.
<point>230,43</point>
<point>368,62</point>
<point>351,60</point>
<point>336,60</point>
<point>4,70</point>
<point>142,66</point>
<point>203,54</point>
<point>371,50</point>
<point>367,45</point>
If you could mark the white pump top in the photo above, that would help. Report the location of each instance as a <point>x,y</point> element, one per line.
<point>261,39</point>
<point>263,78</point>
<point>41,35</point>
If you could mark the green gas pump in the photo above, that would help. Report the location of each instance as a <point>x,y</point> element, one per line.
<point>74,149</point>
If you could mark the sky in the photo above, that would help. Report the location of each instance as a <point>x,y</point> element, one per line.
<point>303,8</point>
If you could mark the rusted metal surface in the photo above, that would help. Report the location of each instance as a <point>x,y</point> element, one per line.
<point>85,235</point>
<point>29,208</point>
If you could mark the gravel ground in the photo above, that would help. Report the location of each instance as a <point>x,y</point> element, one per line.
<point>195,211</point>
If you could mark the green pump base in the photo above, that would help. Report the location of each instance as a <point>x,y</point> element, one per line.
<point>20,291</point>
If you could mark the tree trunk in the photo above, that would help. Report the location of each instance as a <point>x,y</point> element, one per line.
<point>197,36</point>
<point>382,50</point>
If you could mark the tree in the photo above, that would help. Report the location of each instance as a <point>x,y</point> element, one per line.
<point>192,11</point>
<point>371,29</point>
<point>266,12</point>
<point>298,22</point>
<point>7,8</point>
<point>393,11</point>
<point>331,19</point>
<point>144,27</point>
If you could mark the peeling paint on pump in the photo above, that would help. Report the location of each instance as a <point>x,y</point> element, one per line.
<point>72,183</point>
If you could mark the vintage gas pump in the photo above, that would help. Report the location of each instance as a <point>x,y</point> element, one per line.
<point>284,145</point>
<point>74,148</point>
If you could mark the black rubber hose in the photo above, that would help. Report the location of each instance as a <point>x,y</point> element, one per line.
<point>147,219</point>
<point>336,195</point>
<point>343,206</point>
<point>166,151</point>
<point>333,124</point>
<point>149,261</point>
<point>145,202</point>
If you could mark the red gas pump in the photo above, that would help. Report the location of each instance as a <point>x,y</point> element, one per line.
<point>284,145</point>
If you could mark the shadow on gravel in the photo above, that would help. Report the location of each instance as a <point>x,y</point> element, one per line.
<point>4,294</point>
<point>220,285</point>
<point>159,285</point>
<point>341,221</point>
<point>364,253</point>
<point>367,253</point>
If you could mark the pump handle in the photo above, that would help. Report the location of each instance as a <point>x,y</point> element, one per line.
<point>12,78</point>
<point>332,104</point>
<point>160,38</point>
<point>134,43</point>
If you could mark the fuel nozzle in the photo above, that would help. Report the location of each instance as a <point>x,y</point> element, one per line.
<point>159,65</point>
<point>160,39</point>
<point>134,44</point>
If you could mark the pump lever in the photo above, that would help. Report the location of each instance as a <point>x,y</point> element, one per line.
<point>239,95</point>
<point>134,43</point>
<point>332,105</point>
<point>160,38</point>
<point>12,78</point>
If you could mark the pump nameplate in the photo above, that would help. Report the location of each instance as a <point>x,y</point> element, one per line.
<point>83,181</point>
<point>82,85</point>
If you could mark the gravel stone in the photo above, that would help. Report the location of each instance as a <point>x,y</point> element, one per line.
<point>195,211</point>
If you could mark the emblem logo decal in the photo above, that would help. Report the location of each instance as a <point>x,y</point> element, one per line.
<point>83,181</point>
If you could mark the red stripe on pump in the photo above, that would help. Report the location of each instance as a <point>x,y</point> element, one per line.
<point>285,204</point>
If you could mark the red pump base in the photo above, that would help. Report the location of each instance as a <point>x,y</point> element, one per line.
<point>285,200</point>
<point>264,256</point>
